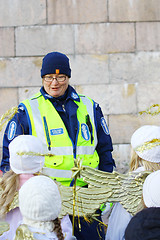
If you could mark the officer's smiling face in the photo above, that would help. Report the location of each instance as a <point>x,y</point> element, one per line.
<point>54,87</point>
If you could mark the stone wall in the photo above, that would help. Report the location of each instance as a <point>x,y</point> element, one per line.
<point>114,50</point>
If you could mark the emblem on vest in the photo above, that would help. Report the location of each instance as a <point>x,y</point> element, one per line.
<point>56,131</point>
<point>104,126</point>
<point>85,131</point>
<point>12,130</point>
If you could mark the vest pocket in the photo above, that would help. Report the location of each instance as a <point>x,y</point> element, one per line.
<point>90,160</point>
<point>53,162</point>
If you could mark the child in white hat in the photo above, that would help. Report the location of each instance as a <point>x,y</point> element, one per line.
<point>151,190</point>
<point>146,224</point>
<point>145,144</point>
<point>145,155</point>
<point>26,160</point>
<point>40,205</point>
<point>23,166</point>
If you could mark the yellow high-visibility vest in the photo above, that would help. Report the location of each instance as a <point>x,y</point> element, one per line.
<point>45,123</point>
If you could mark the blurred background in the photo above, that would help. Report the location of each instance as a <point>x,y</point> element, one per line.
<point>114,51</point>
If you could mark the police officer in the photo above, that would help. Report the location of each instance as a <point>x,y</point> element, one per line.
<point>70,125</point>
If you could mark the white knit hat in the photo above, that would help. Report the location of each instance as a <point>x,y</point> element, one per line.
<point>151,190</point>
<point>26,163</point>
<point>142,135</point>
<point>39,199</point>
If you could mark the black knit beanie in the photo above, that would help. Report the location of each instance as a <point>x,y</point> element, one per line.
<point>55,63</point>
<point>145,225</point>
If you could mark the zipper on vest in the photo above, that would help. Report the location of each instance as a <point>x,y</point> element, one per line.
<point>75,144</point>
<point>74,151</point>
<point>47,133</point>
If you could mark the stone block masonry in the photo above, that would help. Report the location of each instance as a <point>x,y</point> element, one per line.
<point>114,50</point>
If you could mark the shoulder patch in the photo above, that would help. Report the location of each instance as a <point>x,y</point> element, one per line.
<point>12,130</point>
<point>104,126</point>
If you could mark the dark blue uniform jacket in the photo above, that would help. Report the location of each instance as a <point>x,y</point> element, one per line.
<point>66,108</point>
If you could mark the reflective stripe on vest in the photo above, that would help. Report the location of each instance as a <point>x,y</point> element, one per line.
<point>52,172</point>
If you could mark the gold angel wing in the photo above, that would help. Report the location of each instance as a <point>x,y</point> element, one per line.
<point>126,188</point>
<point>103,187</point>
<point>4,227</point>
<point>87,200</point>
<point>14,203</point>
<point>23,232</point>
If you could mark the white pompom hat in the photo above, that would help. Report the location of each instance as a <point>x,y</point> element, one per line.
<point>151,190</point>
<point>39,199</point>
<point>145,134</point>
<point>26,163</point>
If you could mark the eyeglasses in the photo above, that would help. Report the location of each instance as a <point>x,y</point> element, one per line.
<point>58,79</point>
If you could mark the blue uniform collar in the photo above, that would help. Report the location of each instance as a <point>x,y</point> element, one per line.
<point>70,93</point>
